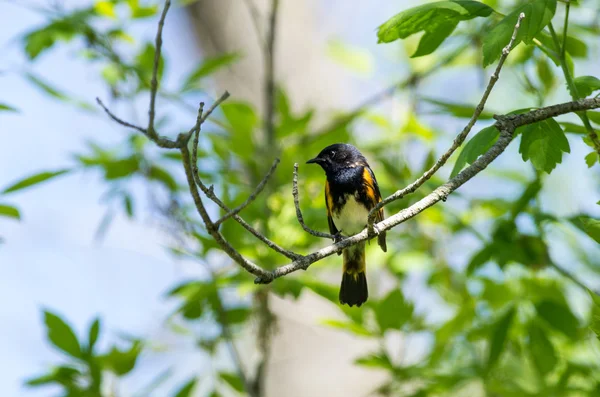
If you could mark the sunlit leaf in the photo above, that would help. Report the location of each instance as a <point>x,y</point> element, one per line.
<point>438,20</point>
<point>591,159</point>
<point>460,110</point>
<point>355,59</point>
<point>348,326</point>
<point>105,8</point>
<point>538,13</point>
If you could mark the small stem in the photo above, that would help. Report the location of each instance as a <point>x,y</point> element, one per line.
<point>565,28</point>
<point>573,90</point>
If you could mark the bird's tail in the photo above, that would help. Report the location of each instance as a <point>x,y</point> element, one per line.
<point>353,290</point>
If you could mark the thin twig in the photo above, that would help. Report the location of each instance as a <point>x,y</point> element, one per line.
<point>255,17</point>
<point>299,211</point>
<point>457,141</point>
<point>212,230</point>
<point>120,121</point>
<point>212,196</point>
<point>563,49</point>
<point>159,140</point>
<point>201,119</point>
<point>259,188</point>
<point>154,82</point>
<point>269,110</point>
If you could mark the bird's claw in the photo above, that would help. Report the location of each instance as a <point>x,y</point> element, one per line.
<point>338,237</point>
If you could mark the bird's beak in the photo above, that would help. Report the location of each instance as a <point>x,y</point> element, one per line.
<point>316,160</point>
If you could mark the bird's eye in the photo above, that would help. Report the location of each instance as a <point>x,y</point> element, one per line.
<point>332,154</point>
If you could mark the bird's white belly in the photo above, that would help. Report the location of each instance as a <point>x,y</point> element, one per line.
<point>352,218</point>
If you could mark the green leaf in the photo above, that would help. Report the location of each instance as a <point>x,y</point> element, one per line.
<point>237,315</point>
<point>538,13</point>
<point>541,349</point>
<point>573,128</point>
<point>477,146</point>
<point>34,180</point>
<point>206,68</point>
<point>353,327</point>
<point>186,390</point>
<point>232,380</point>
<point>93,334</point>
<point>9,211</point>
<point>121,168</point>
<point>380,360</point>
<point>393,311</point>
<point>128,204</point>
<point>62,375</point>
<point>594,116</point>
<point>47,88</point>
<point>458,109</point>
<point>144,62</point>
<point>138,11</point>
<point>355,59</point>
<point>122,362</point>
<point>498,337</point>
<point>591,159</point>
<point>586,85</point>
<point>545,74</point>
<point>160,174</point>
<point>588,225</point>
<point>543,143</point>
<point>559,316</point>
<point>7,108</point>
<point>438,20</point>
<point>61,335</point>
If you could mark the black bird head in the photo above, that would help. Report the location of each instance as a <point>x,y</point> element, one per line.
<point>338,156</point>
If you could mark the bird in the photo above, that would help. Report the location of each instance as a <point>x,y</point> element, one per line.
<point>351,192</point>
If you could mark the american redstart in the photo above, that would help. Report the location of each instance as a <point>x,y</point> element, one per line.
<point>351,191</point>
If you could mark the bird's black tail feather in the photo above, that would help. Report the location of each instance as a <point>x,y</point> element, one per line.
<point>353,290</point>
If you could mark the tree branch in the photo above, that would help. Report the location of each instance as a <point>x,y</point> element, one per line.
<point>457,141</point>
<point>154,83</point>
<point>299,211</point>
<point>259,188</point>
<point>506,125</point>
<point>270,75</point>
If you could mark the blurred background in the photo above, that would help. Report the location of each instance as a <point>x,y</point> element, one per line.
<point>110,285</point>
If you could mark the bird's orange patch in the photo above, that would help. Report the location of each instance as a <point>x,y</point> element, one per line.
<point>370,187</point>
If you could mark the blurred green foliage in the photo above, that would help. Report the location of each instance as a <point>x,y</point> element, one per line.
<point>513,327</point>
